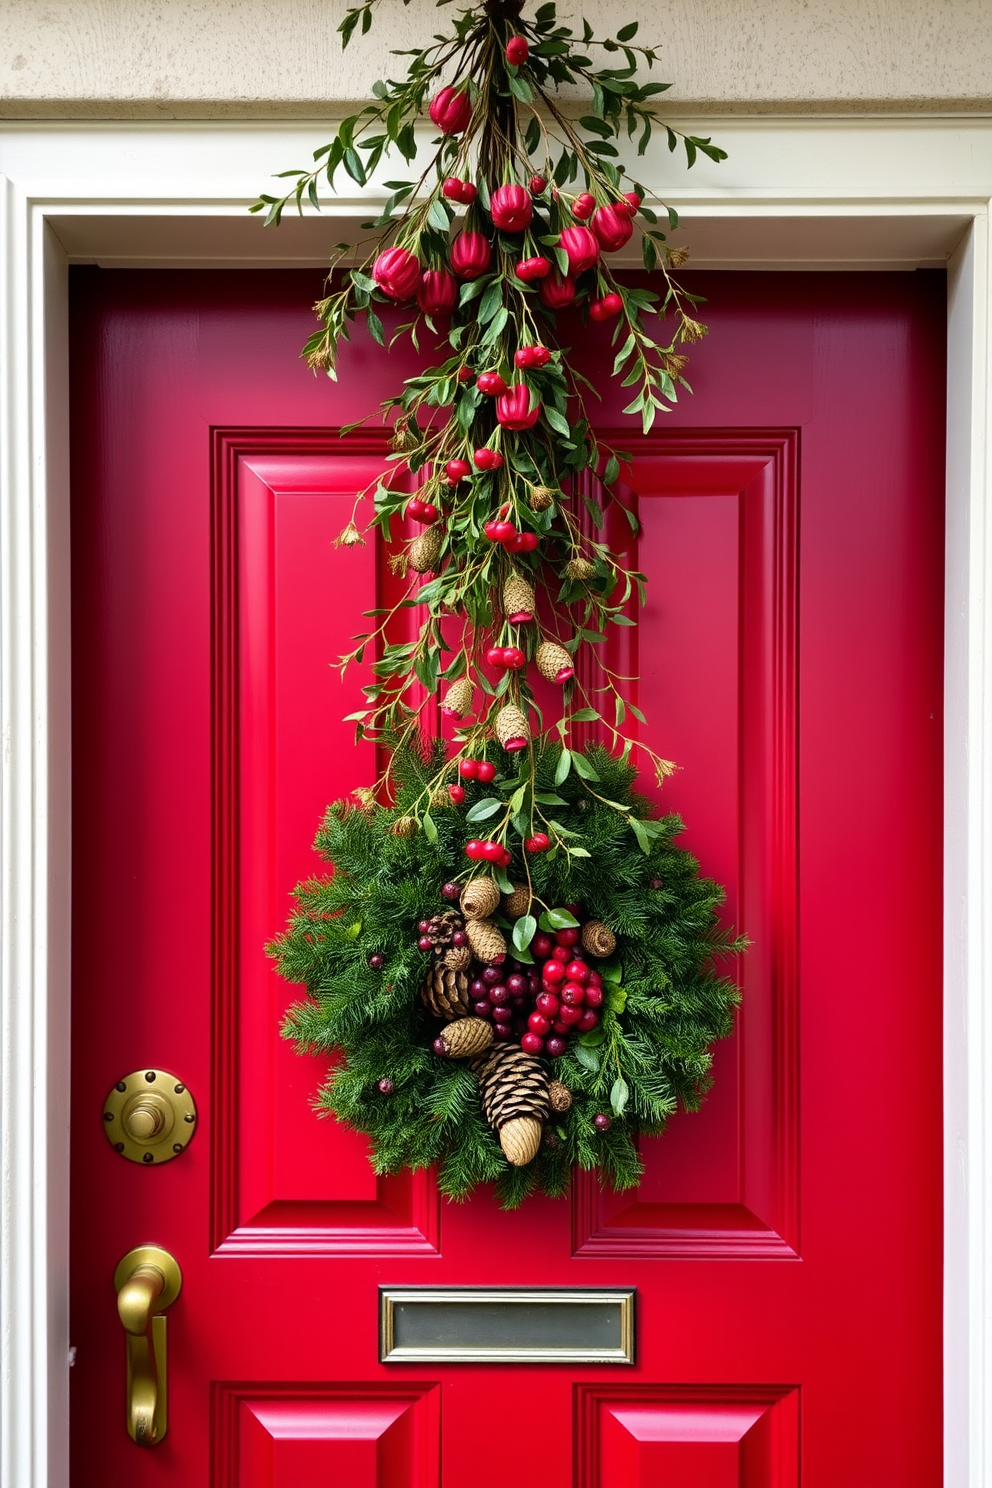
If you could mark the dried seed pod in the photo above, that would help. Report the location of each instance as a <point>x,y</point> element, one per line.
<point>560,1096</point>
<point>480,898</point>
<point>457,958</point>
<point>512,728</point>
<point>404,826</point>
<point>458,698</point>
<point>579,568</point>
<point>519,902</point>
<point>485,939</point>
<point>520,1140</point>
<point>446,992</point>
<point>440,799</point>
<point>518,601</point>
<point>540,498</point>
<point>425,550</point>
<point>466,1037</point>
<point>554,662</point>
<point>598,939</point>
<point>365,797</point>
<point>403,436</point>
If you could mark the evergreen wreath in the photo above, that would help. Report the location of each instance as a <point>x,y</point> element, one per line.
<point>534,1009</point>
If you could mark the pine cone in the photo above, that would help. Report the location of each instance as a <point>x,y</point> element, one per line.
<point>480,898</point>
<point>519,902</point>
<point>404,826</point>
<point>598,939</point>
<point>442,927</point>
<point>518,601</point>
<point>458,699</point>
<point>466,1037</point>
<point>540,498</point>
<point>446,992</point>
<point>513,1087</point>
<point>485,939</point>
<point>560,1096</point>
<point>512,728</point>
<point>457,958</point>
<point>425,550</point>
<point>554,662</point>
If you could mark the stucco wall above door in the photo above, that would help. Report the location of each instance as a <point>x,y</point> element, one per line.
<point>192,58</point>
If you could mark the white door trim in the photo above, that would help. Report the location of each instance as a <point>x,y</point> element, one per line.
<point>799,193</point>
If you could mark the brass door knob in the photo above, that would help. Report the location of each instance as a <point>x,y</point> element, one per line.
<point>149,1116</point>
<point>148,1280</point>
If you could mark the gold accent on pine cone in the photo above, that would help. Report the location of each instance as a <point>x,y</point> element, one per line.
<point>518,600</point>
<point>519,902</point>
<point>425,550</point>
<point>552,659</point>
<point>457,958</point>
<point>480,898</point>
<point>579,568</point>
<point>466,1037</point>
<point>540,498</point>
<point>520,1139</point>
<point>405,826</point>
<point>446,992</point>
<point>511,724</point>
<point>485,939</point>
<point>598,939</point>
<point>560,1096</point>
<point>459,697</point>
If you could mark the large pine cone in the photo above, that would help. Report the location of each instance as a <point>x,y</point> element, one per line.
<point>512,728</point>
<point>518,601</point>
<point>554,662</point>
<point>513,1087</point>
<point>598,939</point>
<point>465,1037</point>
<point>458,698</point>
<point>446,992</point>
<point>485,939</point>
<point>480,898</point>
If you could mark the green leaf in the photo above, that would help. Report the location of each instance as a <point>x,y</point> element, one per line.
<point>583,767</point>
<point>557,420</point>
<point>558,919</point>
<point>616,999</point>
<point>438,217</point>
<point>612,471</point>
<point>563,767</point>
<point>643,839</point>
<point>587,1057</point>
<point>482,810</point>
<point>585,715</point>
<point>430,830</point>
<point>628,32</point>
<point>611,971</point>
<point>619,1095</point>
<point>579,852</point>
<point>375,326</point>
<point>593,1038</point>
<point>506,887</point>
<point>490,302</point>
<point>524,931</point>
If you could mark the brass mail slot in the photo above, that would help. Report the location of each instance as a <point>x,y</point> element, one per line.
<point>506,1325</point>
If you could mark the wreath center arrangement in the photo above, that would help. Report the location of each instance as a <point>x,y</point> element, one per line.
<point>512,959</point>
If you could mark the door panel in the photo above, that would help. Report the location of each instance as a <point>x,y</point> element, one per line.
<point>790,662</point>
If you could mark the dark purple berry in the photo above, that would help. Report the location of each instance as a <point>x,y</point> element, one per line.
<point>656,883</point>
<point>439,1047</point>
<point>478,988</point>
<point>482,1008</point>
<point>517,983</point>
<point>502,1015</point>
<point>498,995</point>
<point>555,1046</point>
<point>376,961</point>
<point>550,1139</point>
<point>491,975</point>
<point>425,942</point>
<point>424,926</point>
<point>503,1031</point>
<point>601,1122</point>
<point>450,891</point>
<point>459,937</point>
<point>386,1087</point>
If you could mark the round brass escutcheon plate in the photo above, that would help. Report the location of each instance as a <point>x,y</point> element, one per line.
<point>149,1117</point>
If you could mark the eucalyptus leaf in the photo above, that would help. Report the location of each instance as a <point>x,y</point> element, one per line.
<point>484,809</point>
<point>587,1057</point>
<point>619,1095</point>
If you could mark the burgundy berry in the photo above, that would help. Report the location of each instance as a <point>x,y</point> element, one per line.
<point>438,1049</point>
<point>542,945</point>
<point>424,926</point>
<point>594,997</point>
<point>532,1043</point>
<point>537,1024</point>
<point>499,995</point>
<point>567,937</point>
<point>595,980</point>
<point>517,983</point>
<point>562,953</point>
<point>577,971</point>
<point>601,1122</point>
<point>478,988</point>
<point>555,1046</point>
<point>425,942</point>
<point>386,1086</point>
<point>518,1004</point>
<point>459,937</point>
<point>482,1008</point>
<point>376,961</point>
<point>491,975</point>
<point>551,1140</point>
<point>587,1022</point>
<point>502,1015</point>
<point>450,891</point>
<point>656,883</point>
<point>503,1031</point>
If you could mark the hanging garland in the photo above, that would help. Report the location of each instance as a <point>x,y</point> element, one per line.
<point>513,1005</point>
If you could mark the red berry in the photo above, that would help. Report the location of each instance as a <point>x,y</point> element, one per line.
<point>487,459</point>
<point>577,971</point>
<point>425,942</point>
<point>424,926</point>
<point>531,356</point>
<point>569,1015</point>
<point>542,945</point>
<point>505,858</point>
<point>539,843</point>
<point>487,771</point>
<point>633,198</point>
<point>468,769</point>
<point>490,383</point>
<point>450,891</point>
<point>503,531</point>
<point>537,184</point>
<point>601,1122</point>
<point>572,995</point>
<point>547,1003</point>
<point>491,851</point>
<point>537,1023</point>
<point>465,374</point>
<point>513,658</point>
<point>555,1046</point>
<point>532,1044</point>
<point>457,793</point>
<point>588,1021</point>
<point>490,530</point>
<point>496,656</point>
<point>553,971</point>
<point>530,269</point>
<point>457,470</point>
<point>562,953</point>
<point>605,308</point>
<point>452,188</point>
<point>516,50</point>
<point>567,937</point>
<point>414,507</point>
<point>560,1027</point>
<point>469,193</point>
<point>594,996</point>
<point>583,205</point>
<point>473,849</point>
<point>427,514</point>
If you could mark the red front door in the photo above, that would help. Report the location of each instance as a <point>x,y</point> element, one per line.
<point>785,1243</point>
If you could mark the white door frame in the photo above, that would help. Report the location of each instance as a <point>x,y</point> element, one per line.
<point>795,193</point>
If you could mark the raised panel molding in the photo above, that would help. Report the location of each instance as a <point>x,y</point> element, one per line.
<point>252,1213</point>
<point>305,1436</point>
<point>687,1436</point>
<point>759,470</point>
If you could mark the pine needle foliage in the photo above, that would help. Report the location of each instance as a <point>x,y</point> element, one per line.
<point>666,1001</point>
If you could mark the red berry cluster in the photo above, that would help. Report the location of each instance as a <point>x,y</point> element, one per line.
<point>488,852</point>
<point>541,1005</point>
<point>481,770</point>
<point>422,511</point>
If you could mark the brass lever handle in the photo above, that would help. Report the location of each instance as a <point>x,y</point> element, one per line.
<point>147,1281</point>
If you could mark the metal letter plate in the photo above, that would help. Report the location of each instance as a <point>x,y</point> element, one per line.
<point>506,1325</point>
